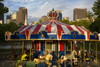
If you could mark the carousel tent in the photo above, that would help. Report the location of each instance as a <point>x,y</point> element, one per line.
<point>51,26</point>
<point>51,29</point>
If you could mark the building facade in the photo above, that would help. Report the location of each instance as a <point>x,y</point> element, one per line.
<point>79,13</point>
<point>22,16</point>
<point>1,16</point>
<point>44,18</point>
<point>8,19</point>
<point>19,17</point>
<point>66,18</point>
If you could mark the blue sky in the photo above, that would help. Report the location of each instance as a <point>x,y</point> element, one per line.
<point>38,8</point>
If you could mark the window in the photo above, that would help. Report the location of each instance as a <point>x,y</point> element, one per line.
<point>69,46</point>
<point>49,45</point>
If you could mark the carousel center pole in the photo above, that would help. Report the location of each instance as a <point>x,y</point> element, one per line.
<point>96,51</point>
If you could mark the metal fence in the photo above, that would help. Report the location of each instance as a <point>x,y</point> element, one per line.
<point>49,64</point>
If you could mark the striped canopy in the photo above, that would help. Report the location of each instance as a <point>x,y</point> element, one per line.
<point>51,26</point>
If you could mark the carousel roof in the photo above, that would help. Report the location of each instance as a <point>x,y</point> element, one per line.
<point>52,25</point>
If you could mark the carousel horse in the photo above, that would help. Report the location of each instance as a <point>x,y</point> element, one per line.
<point>69,57</point>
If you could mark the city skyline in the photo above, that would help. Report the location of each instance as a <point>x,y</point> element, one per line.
<point>38,8</point>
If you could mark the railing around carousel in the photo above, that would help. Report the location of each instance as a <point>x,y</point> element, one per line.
<point>49,64</point>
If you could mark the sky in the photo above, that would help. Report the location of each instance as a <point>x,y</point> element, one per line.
<point>38,8</point>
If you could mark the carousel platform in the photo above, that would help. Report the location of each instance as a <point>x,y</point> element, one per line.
<point>53,64</point>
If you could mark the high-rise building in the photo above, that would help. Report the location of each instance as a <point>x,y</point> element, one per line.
<point>44,18</point>
<point>13,15</point>
<point>66,18</point>
<point>19,17</point>
<point>60,14</point>
<point>8,19</point>
<point>79,13</point>
<point>22,16</point>
<point>1,16</point>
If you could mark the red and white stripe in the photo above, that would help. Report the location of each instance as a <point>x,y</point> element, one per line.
<point>51,26</point>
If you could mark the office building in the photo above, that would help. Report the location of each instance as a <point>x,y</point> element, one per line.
<point>19,17</point>
<point>22,16</point>
<point>79,13</point>
<point>66,18</point>
<point>8,19</point>
<point>44,18</point>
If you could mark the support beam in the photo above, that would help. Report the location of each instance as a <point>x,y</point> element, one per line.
<point>18,48</point>
<point>65,47</point>
<point>84,50</point>
<point>45,47</point>
<point>89,47</point>
<point>71,46</point>
<point>23,47</point>
<point>96,51</point>
<point>30,50</point>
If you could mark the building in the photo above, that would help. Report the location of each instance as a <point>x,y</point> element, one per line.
<point>1,16</point>
<point>22,16</point>
<point>58,12</point>
<point>66,18</point>
<point>34,23</point>
<point>19,17</point>
<point>8,19</point>
<point>79,13</point>
<point>13,15</point>
<point>44,18</point>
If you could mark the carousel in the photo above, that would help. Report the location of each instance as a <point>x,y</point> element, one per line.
<point>55,38</point>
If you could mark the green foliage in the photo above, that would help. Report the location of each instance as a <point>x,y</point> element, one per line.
<point>81,23</point>
<point>40,21</point>
<point>65,21</point>
<point>95,26</point>
<point>4,10</point>
<point>1,0</point>
<point>11,27</point>
<point>96,8</point>
<point>90,15</point>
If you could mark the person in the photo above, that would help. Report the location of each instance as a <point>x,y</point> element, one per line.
<point>24,57</point>
<point>32,55</point>
<point>82,55</point>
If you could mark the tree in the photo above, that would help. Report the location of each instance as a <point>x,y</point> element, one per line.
<point>65,21</point>
<point>11,27</point>
<point>4,10</point>
<point>81,23</point>
<point>95,26</point>
<point>90,15</point>
<point>96,8</point>
<point>40,21</point>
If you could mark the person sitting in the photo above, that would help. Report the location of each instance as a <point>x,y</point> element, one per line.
<point>24,57</point>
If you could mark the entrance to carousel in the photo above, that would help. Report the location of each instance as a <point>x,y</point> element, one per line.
<point>51,48</point>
